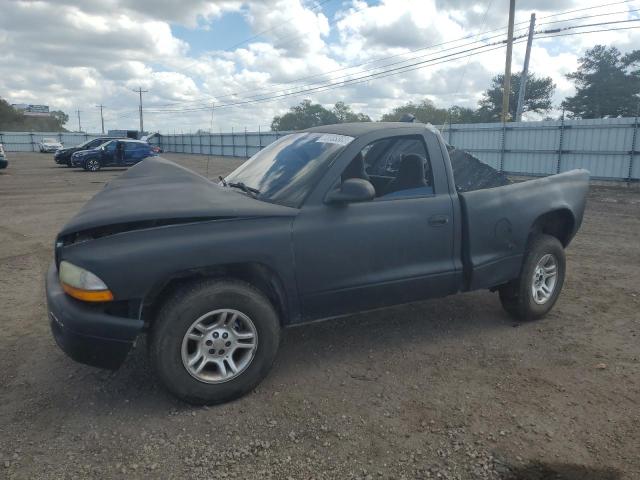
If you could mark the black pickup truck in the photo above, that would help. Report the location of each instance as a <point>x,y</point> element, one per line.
<point>322,223</point>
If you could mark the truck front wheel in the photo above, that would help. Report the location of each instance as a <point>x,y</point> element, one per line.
<point>214,341</point>
<point>534,293</point>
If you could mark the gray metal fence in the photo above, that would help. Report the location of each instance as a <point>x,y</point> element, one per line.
<point>235,144</point>
<point>608,148</point>
<point>28,141</point>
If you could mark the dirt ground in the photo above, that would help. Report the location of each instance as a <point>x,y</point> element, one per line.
<point>449,388</point>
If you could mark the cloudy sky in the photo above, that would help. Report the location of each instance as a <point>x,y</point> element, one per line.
<point>189,54</point>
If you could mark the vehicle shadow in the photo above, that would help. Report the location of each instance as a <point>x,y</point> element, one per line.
<point>307,350</point>
<point>339,348</point>
<point>540,471</point>
<point>102,170</point>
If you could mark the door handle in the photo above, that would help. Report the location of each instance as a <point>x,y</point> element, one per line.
<point>438,220</point>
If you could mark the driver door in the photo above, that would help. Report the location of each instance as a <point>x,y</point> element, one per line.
<point>390,250</point>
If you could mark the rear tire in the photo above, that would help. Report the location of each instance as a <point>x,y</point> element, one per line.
<point>187,336</point>
<point>534,293</point>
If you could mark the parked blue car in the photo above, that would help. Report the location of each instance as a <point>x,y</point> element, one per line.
<point>115,153</point>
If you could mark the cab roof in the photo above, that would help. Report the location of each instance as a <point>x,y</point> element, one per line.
<point>362,128</point>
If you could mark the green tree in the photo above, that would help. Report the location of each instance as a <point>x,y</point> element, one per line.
<point>462,115</point>
<point>425,112</point>
<point>12,120</point>
<point>60,117</point>
<point>307,115</point>
<point>606,84</point>
<point>344,114</point>
<point>538,97</point>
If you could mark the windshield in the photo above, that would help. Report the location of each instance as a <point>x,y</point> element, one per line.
<point>287,170</point>
<point>108,145</point>
<point>85,144</point>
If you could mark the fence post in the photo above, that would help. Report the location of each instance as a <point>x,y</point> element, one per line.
<point>450,135</point>
<point>259,138</point>
<point>502,145</point>
<point>561,143</point>
<point>233,143</point>
<point>634,140</point>
<point>210,146</point>
<point>33,143</point>
<point>246,146</point>
<point>200,143</point>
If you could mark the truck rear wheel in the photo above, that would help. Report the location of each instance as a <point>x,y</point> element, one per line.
<point>214,341</point>
<point>534,293</point>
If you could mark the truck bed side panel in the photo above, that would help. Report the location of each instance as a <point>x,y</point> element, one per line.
<point>497,223</point>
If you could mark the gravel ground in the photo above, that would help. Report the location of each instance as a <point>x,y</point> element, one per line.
<point>449,389</point>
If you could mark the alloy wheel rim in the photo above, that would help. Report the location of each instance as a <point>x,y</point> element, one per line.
<point>545,277</point>
<point>219,346</point>
<point>93,165</point>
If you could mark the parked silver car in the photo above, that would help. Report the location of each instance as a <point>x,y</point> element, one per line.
<point>49,145</point>
<point>3,158</point>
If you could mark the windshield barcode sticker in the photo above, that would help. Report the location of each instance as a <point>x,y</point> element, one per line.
<point>337,139</point>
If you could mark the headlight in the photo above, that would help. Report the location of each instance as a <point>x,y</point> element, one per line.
<point>82,284</point>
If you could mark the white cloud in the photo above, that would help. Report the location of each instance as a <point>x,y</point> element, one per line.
<point>76,54</point>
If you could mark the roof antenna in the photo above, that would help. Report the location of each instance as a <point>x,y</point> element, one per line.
<point>408,117</point>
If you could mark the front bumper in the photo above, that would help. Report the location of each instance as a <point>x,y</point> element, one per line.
<point>62,159</point>
<point>3,162</point>
<point>84,331</point>
<point>77,161</point>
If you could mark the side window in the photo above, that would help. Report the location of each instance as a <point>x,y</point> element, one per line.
<point>397,167</point>
<point>130,146</point>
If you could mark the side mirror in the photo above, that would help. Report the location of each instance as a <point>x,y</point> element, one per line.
<point>352,190</point>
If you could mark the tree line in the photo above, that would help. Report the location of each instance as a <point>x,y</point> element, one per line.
<point>607,85</point>
<point>11,120</point>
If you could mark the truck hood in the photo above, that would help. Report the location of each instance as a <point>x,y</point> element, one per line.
<point>158,192</point>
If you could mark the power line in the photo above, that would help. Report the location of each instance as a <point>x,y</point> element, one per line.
<point>271,91</point>
<point>140,92</point>
<point>101,117</point>
<point>591,16</point>
<point>399,69</point>
<point>195,102</point>
<point>566,12</point>
<point>390,72</point>
<point>525,69</point>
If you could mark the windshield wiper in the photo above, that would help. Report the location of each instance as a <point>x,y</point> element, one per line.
<point>222,181</point>
<point>243,187</point>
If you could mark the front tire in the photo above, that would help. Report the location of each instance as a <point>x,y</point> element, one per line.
<point>214,341</point>
<point>92,165</point>
<point>534,293</point>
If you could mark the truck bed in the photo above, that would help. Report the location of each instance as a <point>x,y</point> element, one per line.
<point>497,223</point>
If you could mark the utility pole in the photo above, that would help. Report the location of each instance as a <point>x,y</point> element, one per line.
<point>140,92</point>
<point>79,125</point>
<point>101,117</point>
<point>213,106</point>
<point>507,68</point>
<point>525,69</point>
